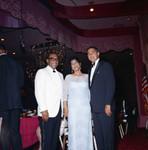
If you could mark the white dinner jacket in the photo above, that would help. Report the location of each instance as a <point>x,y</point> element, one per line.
<point>49,91</point>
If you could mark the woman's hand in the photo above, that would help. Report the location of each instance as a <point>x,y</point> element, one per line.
<point>65,109</point>
<point>66,112</point>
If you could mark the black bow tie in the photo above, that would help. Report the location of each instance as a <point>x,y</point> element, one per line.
<point>54,71</point>
<point>93,64</point>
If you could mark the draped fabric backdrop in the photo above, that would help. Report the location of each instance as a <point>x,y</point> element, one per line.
<point>146,56</point>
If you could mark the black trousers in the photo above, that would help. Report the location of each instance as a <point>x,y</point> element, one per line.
<point>104,130</point>
<point>50,132</point>
<point>10,135</point>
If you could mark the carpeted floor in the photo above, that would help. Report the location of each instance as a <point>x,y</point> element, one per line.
<point>137,141</point>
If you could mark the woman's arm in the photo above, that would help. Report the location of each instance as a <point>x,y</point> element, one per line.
<point>65,108</point>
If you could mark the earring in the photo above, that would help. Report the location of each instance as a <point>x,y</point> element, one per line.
<point>72,71</point>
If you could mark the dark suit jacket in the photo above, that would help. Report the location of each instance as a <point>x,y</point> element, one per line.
<point>11,80</point>
<point>102,87</point>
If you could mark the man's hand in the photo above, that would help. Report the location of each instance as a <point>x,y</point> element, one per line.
<point>45,115</point>
<point>108,110</point>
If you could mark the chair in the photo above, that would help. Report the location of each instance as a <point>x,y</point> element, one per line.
<point>63,133</point>
<point>122,124</point>
<point>121,130</point>
<point>95,144</point>
<point>126,124</point>
<point>38,132</point>
<point>94,139</point>
<point>65,138</point>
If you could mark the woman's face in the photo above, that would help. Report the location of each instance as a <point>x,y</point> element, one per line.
<point>75,65</point>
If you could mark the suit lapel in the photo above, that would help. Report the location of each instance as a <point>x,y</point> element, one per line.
<point>59,83</point>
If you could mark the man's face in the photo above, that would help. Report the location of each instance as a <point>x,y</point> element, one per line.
<point>52,61</point>
<point>92,54</point>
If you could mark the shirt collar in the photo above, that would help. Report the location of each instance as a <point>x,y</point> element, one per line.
<point>96,62</point>
<point>50,69</point>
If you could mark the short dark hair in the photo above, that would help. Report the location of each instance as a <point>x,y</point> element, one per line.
<point>2,47</point>
<point>95,48</point>
<point>50,54</point>
<point>74,58</point>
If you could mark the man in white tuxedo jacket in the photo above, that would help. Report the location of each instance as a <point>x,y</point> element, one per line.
<point>48,93</point>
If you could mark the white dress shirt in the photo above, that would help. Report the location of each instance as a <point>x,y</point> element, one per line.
<point>93,70</point>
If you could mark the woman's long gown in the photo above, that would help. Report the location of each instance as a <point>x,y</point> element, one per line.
<point>76,92</point>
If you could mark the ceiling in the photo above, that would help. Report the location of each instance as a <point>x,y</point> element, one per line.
<point>85,2</point>
<point>108,19</point>
<point>97,23</point>
<point>109,16</point>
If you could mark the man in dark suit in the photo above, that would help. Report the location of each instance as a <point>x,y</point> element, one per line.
<point>102,87</point>
<point>11,80</point>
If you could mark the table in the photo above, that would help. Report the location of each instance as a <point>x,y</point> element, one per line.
<point>28,128</point>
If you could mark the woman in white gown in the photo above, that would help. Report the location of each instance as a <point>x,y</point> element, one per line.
<point>77,108</point>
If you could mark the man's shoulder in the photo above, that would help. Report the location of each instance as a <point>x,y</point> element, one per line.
<point>106,66</point>
<point>41,70</point>
<point>105,63</point>
<point>5,57</point>
<point>60,74</point>
<point>9,60</point>
<point>41,73</point>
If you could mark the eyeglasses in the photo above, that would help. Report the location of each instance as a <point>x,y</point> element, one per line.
<point>53,59</point>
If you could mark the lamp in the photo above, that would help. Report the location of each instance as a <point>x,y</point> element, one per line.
<point>91,8</point>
